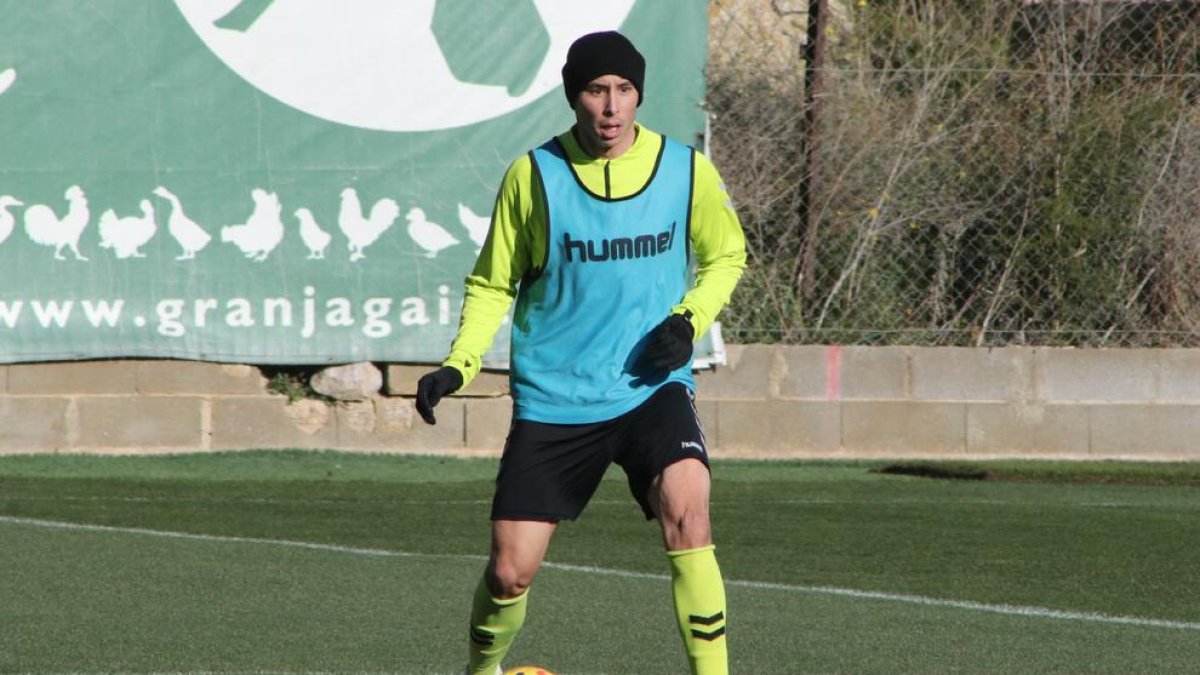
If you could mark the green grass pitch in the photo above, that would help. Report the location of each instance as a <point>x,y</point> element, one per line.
<point>323,562</point>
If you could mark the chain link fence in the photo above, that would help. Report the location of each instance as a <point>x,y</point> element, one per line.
<point>961,172</point>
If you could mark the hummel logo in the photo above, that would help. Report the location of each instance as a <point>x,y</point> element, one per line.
<point>711,635</point>
<point>620,248</point>
<point>482,637</point>
<point>692,445</point>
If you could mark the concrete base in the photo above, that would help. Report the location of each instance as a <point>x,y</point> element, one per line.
<point>769,402</point>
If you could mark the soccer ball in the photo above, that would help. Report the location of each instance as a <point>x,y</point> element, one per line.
<point>528,670</point>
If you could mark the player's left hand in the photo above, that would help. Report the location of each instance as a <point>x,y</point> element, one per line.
<point>432,387</point>
<point>669,345</point>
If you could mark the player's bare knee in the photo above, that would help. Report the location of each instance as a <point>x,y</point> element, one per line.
<point>686,529</point>
<point>505,580</point>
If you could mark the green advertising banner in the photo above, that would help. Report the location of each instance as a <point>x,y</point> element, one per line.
<point>281,181</point>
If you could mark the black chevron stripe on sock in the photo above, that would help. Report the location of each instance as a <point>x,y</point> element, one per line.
<point>708,637</point>
<point>482,637</point>
<point>706,620</point>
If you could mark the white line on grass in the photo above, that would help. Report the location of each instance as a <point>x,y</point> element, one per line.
<point>1010,610</point>
<point>624,503</point>
<point>246,500</point>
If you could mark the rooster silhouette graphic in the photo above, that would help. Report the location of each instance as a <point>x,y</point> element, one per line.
<point>362,231</point>
<point>44,227</point>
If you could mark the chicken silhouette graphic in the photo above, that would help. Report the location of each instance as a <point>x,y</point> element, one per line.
<point>477,225</point>
<point>363,231</point>
<point>262,232</point>
<point>7,220</point>
<point>429,236</point>
<point>191,237</point>
<point>316,239</point>
<point>47,229</point>
<point>125,236</point>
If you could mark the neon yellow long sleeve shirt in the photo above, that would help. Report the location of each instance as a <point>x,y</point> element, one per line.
<point>516,244</point>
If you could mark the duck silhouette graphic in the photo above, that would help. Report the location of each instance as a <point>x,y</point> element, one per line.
<point>126,236</point>
<point>191,237</point>
<point>428,235</point>
<point>262,231</point>
<point>477,226</point>
<point>316,239</point>
<point>363,230</point>
<point>44,227</point>
<point>7,220</point>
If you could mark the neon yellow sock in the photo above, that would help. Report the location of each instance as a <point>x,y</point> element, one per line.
<point>494,625</point>
<point>700,607</point>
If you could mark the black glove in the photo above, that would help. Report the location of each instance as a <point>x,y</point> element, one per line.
<point>432,387</point>
<point>669,345</point>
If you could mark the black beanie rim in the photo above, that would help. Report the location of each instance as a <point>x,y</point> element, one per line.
<point>598,54</point>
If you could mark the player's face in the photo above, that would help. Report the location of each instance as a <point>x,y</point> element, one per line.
<point>604,114</point>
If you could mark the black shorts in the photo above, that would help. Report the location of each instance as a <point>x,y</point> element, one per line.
<point>550,471</point>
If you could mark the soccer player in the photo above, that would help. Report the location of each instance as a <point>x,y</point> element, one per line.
<point>592,234</point>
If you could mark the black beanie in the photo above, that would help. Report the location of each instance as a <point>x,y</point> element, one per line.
<point>598,54</point>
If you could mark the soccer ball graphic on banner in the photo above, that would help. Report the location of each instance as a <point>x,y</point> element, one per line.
<point>419,65</point>
<point>527,670</point>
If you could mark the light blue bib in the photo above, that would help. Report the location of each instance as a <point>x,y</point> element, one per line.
<point>614,269</point>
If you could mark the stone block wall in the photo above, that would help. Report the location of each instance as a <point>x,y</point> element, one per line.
<point>768,402</point>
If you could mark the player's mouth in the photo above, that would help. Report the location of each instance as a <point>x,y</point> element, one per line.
<point>610,131</point>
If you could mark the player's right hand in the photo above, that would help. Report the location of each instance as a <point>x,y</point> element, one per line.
<point>669,345</point>
<point>432,387</point>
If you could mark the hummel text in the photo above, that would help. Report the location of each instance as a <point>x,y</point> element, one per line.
<point>619,248</point>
